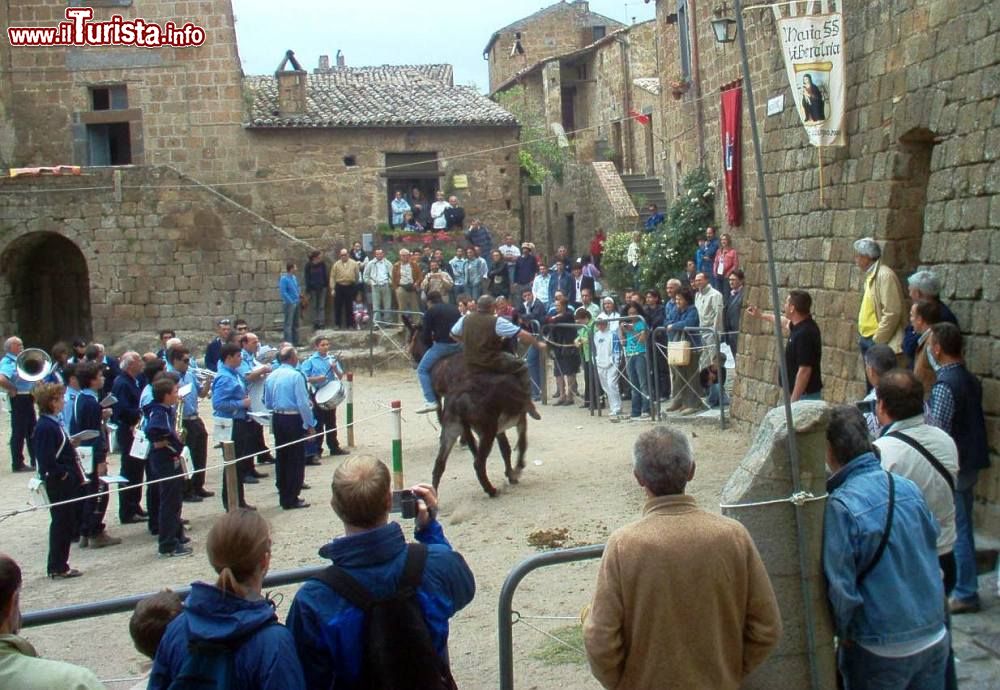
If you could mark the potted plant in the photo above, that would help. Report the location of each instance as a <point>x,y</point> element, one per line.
<point>679,86</point>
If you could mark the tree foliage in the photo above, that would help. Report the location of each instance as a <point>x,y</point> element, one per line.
<point>540,155</point>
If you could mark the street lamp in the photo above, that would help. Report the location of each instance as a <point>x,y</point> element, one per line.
<point>724,27</point>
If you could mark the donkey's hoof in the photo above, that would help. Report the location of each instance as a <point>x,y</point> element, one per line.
<point>492,492</point>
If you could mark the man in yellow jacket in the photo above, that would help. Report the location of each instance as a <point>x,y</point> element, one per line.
<point>882,319</point>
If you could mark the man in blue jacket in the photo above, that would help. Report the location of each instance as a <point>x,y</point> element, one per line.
<point>881,566</point>
<point>328,631</point>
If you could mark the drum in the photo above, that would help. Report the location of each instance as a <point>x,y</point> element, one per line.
<point>330,395</point>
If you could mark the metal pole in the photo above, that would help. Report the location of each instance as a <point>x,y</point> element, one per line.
<point>505,608</point>
<point>93,609</point>
<point>371,343</point>
<point>230,477</point>
<point>396,419</point>
<point>718,380</point>
<point>543,364</point>
<point>349,411</point>
<point>793,451</point>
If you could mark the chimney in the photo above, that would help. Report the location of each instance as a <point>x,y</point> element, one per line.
<point>582,6</point>
<point>291,86</point>
<point>324,62</point>
<point>340,59</point>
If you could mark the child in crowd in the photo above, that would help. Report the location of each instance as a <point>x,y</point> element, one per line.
<point>165,464</point>
<point>504,308</point>
<point>606,360</point>
<point>149,621</point>
<point>583,320</point>
<point>360,311</point>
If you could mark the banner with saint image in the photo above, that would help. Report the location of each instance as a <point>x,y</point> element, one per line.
<point>813,46</point>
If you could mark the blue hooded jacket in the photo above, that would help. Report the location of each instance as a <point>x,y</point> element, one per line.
<point>328,630</point>
<point>265,661</point>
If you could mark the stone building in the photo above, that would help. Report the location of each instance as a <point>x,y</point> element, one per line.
<point>314,156</point>
<point>919,173</point>
<point>599,100</point>
<point>554,30</point>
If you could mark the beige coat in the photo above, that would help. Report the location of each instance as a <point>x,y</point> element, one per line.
<point>682,601</point>
<point>887,298</point>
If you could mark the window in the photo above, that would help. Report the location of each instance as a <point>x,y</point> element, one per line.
<point>599,32</point>
<point>109,144</point>
<point>685,41</point>
<point>581,72</point>
<point>109,97</point>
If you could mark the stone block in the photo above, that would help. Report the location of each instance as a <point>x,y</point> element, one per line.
<point>764,475</point>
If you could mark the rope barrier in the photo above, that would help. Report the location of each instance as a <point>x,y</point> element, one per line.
<point>108,492</point>
<point>799,498</point>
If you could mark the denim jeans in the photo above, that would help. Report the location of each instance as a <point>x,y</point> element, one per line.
<point>317,305</point>
<point>534,372</point>
<point>291,326</point>
<point>863,670</point>
<point>966,584</point>
<point>427,362</point>
<point>636,366</point>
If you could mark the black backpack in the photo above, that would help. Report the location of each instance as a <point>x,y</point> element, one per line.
<point>398,650</point>
<point>212,665</point>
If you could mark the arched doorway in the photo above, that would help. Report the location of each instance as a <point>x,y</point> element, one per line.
<point>48,289</point>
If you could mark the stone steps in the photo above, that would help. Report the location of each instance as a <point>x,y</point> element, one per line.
<point>647,190</point>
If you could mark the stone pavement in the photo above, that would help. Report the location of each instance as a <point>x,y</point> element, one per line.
<point>977,640</point>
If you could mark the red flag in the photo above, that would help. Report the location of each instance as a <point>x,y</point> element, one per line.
<point>642,119</point>
<point>732,152</point>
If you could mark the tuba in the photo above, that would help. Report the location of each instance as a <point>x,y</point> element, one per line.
<point>33,364</point>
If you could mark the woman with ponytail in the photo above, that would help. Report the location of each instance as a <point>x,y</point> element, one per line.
<point>231,615</point>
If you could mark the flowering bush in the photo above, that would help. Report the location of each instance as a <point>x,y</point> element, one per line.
<point>664,252</point>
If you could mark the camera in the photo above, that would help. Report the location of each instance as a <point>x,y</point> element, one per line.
<point>405,501</point>
<point>866,406</point>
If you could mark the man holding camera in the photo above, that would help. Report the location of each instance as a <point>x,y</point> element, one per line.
<point>374,552</point>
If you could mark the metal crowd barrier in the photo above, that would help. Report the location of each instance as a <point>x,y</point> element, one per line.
<point>108,607</point>
<point>371,331</point>
<point>702,331</point>
<point>591,370</point>
<point>505,621</point>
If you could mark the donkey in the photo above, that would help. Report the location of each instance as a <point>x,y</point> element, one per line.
<point>481,402</point>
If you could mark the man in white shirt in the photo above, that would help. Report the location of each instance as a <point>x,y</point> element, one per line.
<point>708,301</point>
<point>378,275</point>
<point>540,286</point>
<point>437,212</point>
<point>905,439</point>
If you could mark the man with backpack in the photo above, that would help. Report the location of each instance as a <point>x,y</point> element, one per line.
<point>379,617</point>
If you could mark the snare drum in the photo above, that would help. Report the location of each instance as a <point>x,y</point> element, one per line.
<point>330,395</point>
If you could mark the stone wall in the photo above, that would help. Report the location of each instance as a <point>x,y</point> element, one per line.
<point>185,105</point>
<point>186,110</point>
<point>919,174</point>
<point>160,251</point>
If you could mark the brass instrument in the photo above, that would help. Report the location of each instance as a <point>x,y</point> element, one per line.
<point>33,364</point>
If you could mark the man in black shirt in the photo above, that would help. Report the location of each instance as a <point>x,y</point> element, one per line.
<point>436,335</point>
<point>804,349</point>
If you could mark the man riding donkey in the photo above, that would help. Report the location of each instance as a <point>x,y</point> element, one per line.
<point>482,335</point>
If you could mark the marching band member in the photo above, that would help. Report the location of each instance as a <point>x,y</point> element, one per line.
<point>69,397</point>
<point>224,328</point>
<point>126,415</point>
<point>59,469</point>
<point>95,352</point>
<point>230,402</point>
<point>22,411</point>
<point>320,369</point>
<point>165,465</point>
<point>89,415</point>
<point>195,436</point>
<point>253,371</point>
<point>285,394</point>
<point>152,369</point>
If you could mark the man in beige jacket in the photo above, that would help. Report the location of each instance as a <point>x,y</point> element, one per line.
<point>682,598</point>
<point>881,319</point>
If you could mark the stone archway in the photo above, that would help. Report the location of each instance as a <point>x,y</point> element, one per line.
<point>47,289</point>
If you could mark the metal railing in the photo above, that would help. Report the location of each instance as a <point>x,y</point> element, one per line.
<point>701,332</point>
<point>373,323</point>
<point>505,612</point>
<point>108,607</point>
